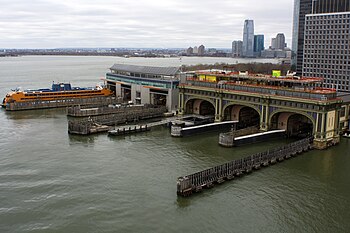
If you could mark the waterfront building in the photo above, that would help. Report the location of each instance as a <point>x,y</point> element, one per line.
<point>274,53</point>
<point>301,106</point>
<point>327,49</point>
<point>145,84</point>
<point>237,48</point>
<point>258,45</point>
<point>248,39</point>
<point>268,53</point>
<point>201,50</point>
<point>279,53</point>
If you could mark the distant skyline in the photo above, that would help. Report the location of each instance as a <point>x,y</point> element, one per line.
<point>142,24</point>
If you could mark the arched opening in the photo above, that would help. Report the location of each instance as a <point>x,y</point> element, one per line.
<point>295,124</point>
<point>246,116</point>
<point>200,107</point>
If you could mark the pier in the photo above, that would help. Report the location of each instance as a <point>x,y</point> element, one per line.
<point>81,120</point>
<point>128,130</point>
<point>178,131</point>
<point>187,185</point>
<point>248,135</point>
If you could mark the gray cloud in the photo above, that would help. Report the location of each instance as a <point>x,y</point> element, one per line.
<point>138,23</point>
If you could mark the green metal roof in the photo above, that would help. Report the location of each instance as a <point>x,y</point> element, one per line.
<point>168,71</point>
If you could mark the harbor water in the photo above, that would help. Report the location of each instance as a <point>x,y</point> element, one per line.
<point>51,181</point>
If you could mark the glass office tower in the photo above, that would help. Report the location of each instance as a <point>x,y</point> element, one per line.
<point>301,8</point>
<point>248,38</point>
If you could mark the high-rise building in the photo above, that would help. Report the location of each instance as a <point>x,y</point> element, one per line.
<point>301,8</point>
<point>258,45</point>
<point>189,51</point>
<point>201,50</point>
<point>195,50</point>
<point>280,41</point>
<point>248,38</point>
<point>327,46</point>
<point>273,43</point>
<point>237,48</point>
<point>330,6</point>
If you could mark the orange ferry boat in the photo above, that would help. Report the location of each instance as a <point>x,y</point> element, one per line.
<point>59,91</point>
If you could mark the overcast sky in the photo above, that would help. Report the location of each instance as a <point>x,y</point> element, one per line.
<point>138,23</point>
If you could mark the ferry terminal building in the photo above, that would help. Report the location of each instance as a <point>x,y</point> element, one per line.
<point>145,84</point>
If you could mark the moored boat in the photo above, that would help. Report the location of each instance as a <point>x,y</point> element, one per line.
<point>59,93</point>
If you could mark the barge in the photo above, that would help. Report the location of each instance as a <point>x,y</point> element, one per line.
<point>60,95</point>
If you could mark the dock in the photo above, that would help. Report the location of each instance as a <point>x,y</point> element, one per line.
<point>187,185</point>
<point>178,131</point>
<point>128,130</point>
<point>123,130</point>
<point>259,137</point>
<point>80,120</point>
<point>247,136</point>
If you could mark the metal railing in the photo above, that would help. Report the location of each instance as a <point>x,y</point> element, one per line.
<point>304,94</point>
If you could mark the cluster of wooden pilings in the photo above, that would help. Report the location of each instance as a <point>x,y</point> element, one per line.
<point>87,121</point>
<point>128,130</point>
<point>227,139</point>
<point>60,103</point>
<point>186,185</point>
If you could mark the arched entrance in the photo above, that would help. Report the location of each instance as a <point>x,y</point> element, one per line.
<point>246,116</point>
<point>201,107</point>
<point>295,124</point>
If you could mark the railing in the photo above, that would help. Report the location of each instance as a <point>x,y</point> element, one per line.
<point>186,185</point>
<point>84,124</point>
<point>304,94</point>
<point>77,111</point>
<point>59,103</point>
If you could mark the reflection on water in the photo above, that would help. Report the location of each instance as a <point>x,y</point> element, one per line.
<point>85,140</point>
<point>35,114</point>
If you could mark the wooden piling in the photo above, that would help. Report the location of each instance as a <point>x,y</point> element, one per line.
<point>186,185</point>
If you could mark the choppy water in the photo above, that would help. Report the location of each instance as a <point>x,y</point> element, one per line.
<point>54,182</point>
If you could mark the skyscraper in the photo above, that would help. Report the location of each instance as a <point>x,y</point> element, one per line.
<point>327,46</point>
<point>258,45</point>
<point>201,50</point>
<point>280,41</point>
<point>330,6</point>
<point>273,43</point>
<point>248,38</point>
<point>301,8</point>
<point>237,48</point>
<point>195,50</point>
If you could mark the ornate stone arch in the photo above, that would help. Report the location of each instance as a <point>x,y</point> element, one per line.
<point>292,112</point>
<point>242,104</point>
<point>194,98</point>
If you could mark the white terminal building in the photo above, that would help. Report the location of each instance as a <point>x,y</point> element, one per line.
<point>145,84</point>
